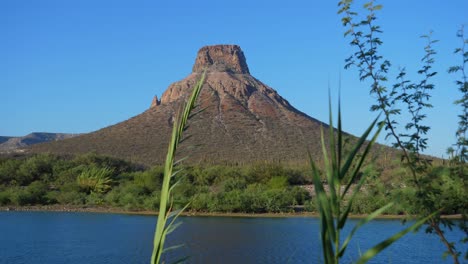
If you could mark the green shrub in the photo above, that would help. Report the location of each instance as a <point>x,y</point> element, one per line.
<point>69,193</point>
<point>20,197</point>
<point>8,170</point>
<point>296,176</point>
<point>231,201</point>
<point>4,198</point>
<point>37,191</point>
<point>129,201</point>
<point>129,196</point>
<point>183,192</point>
<point>71,198</point>
<point>95,199</point>
<point>301,195</point>
<point>278,201</point>
<point>278,182</point>
<point>95,179</point>
<point>51,197</point>
<point>150,179</point>
<point>254,199</point>
<point>263,172</point>
<point>203,202</point>
<point>94,160</point>
<point>366,204</point>
<point>38,167</point>
<point>30,195</point>
<point>310,205</point>
<point>152,201</point>
<point>232,184</point>
<point>113,196</point>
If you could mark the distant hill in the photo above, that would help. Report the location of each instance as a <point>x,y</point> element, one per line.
<point>243,121</point>
<point>4,139</point>
<point>17,144</point>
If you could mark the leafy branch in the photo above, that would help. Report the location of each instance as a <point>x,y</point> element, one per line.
<point>462,83</point>
<point>371,65</point>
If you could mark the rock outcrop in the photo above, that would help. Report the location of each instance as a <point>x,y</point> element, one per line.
<point>155,102</point>
<point>221,58</point>
<point>243,120</point>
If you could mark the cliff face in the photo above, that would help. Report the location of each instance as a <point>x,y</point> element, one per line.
<point>221,58</point>
<point>243,120</point>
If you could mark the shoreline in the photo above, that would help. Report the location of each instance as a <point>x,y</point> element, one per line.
<point>113,210</point>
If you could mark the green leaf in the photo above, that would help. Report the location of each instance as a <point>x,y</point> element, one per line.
<point>363,156</point>
<point>356,148</point>
<point>377,7</point>
<point>177,130</point>
<point>362,222</point>
<point>384,244</point>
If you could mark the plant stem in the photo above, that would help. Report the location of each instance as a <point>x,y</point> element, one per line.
<point>434,224</point>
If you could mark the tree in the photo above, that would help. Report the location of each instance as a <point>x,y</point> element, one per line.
<point>414,96</point>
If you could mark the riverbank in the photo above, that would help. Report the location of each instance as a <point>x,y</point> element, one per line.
<point>113,210</point>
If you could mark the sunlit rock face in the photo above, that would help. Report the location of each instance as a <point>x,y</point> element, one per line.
<point>243,120</point>
<point>221,58</point>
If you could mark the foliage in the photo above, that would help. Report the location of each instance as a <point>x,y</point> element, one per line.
<point>163,227</point>
<point>365,38</point>
<point>334,207</point>
<point>462,83</point>
<point>207,187</point>
<point>95,179</point>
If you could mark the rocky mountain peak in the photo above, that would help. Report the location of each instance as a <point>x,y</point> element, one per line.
<point>243,120</point>
<point>155,102</point>
<point>221,58</point>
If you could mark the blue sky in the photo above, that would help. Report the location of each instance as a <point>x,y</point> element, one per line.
<point>78,66</point>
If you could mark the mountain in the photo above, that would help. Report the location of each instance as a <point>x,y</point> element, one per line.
<point>243,121</point>
<point>4,139</point>
<point>16,144</point>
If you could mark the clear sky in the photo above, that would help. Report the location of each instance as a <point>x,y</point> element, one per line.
<point>78,66</point>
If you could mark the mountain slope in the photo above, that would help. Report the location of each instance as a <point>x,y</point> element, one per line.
<point>4,139</point>
<point>243,120</point>
<point>12,144</point>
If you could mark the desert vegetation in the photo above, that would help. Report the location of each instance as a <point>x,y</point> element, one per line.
<point>46,179</point>
<point>344,181</point>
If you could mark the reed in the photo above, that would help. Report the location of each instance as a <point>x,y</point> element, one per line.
<point>333,208</point>
<point>166,217</point>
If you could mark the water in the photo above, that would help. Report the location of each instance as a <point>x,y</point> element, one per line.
<point>55,237</point>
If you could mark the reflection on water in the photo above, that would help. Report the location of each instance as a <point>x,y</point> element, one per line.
<point>50,237</point>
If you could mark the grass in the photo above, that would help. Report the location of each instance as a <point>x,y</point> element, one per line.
<point>166,217</point>
<point>333,207</point>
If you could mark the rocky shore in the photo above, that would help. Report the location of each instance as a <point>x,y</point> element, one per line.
<point>113,210</point>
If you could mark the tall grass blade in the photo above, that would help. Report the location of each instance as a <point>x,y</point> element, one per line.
<point>344,216</point>
<point>330,205</point>
<point>324,211</point>
<point>356,148</point>
<point>181,260</point>
<point>384,244</point>
<point>333,182</point>
<point>362,222</point>
<point>328,168</point>
<point>340,136</point>
<point>361,161</point>
<point>164,208</point>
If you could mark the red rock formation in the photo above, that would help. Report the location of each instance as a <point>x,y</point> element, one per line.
<point>221,58</point>
<point>243,120</point>
<point>155,102</point>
